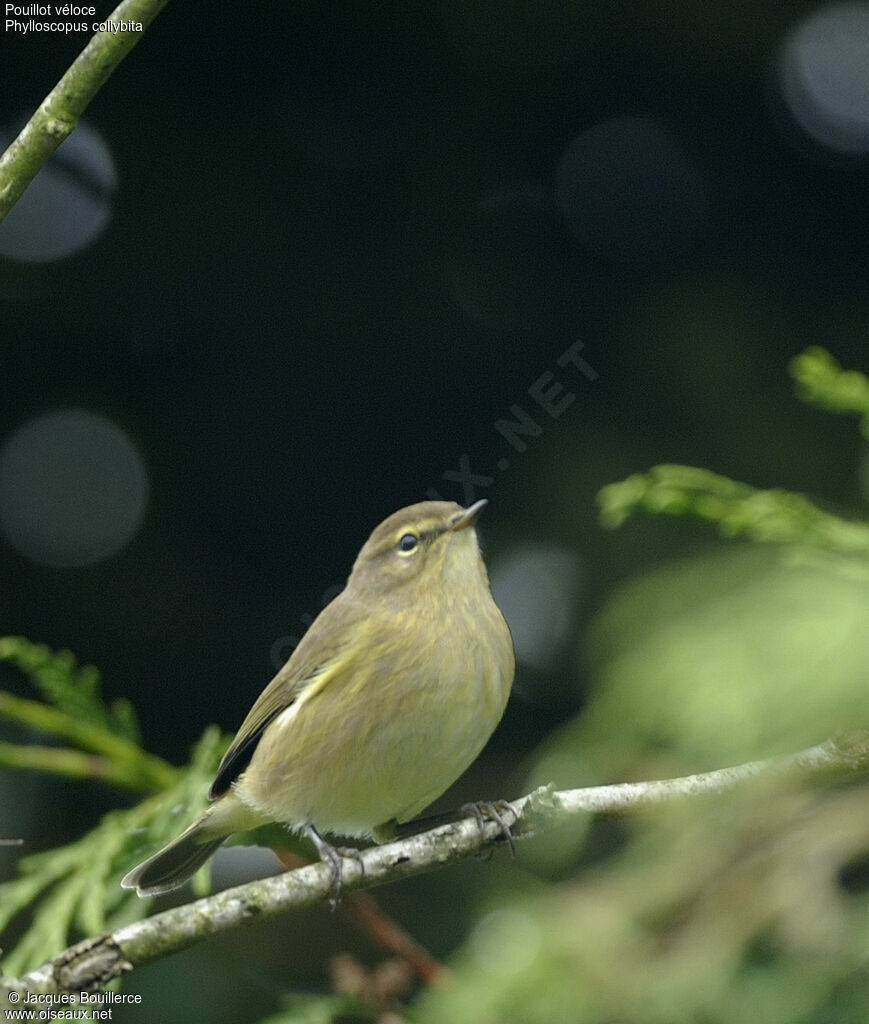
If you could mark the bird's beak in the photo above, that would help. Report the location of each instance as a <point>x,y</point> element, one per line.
<point>468,516</point>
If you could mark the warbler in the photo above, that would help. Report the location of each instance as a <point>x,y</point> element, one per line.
<point>391,694</point>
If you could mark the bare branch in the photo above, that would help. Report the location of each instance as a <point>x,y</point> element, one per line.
<point>96,961</point>
<point>59,112</point>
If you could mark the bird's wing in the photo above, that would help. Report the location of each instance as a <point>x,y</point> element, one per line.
<point>311,665</point>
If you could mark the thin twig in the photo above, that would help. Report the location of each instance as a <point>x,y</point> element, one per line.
<point>96,961</point>
<point>71,764</point>
<point>392,938</point>
<point>143,771</point>
<point>59,112</point>
<point>382,929</point>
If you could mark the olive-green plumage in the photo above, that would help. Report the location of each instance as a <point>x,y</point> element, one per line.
<point>389,697</point>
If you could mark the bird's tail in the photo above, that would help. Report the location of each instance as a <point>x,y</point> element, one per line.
<point>175,863</point>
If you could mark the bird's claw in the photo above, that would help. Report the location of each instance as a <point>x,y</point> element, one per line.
<point>333,858</point>
<point>494,810</point>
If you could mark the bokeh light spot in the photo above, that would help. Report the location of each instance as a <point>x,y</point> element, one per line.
<point>629,192</point>
<point>506,265</point>
<point>536,588</point>
<point>506,941</point>
<point>824,77</point>
<point>73,489</point>
<point>66,206</point>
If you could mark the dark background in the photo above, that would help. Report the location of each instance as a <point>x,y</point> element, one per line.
<point>340,252</point>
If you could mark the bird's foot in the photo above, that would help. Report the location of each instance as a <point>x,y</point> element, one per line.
<point>333,858</point>
<point>494,810</point>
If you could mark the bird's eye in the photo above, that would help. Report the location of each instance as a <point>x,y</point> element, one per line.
<point>408,542</point>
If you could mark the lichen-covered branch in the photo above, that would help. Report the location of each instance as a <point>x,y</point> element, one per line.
<point>59,112</point>
<point>96,961</point>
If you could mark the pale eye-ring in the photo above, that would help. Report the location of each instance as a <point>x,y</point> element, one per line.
<point>407,543</point>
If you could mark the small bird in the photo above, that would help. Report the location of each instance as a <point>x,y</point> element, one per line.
<point>391,694</point>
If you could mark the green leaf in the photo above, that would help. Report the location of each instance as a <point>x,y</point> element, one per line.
<point>74,712</point>
<point>721,911</point>
<point>822,382</point>
<point>735,509</point>
<point>729,656</point>
<point>71,688</point>
<point>76,888</point>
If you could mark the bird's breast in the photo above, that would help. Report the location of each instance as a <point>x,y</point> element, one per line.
<point>391,725</point>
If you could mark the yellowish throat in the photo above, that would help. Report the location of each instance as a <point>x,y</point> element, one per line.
<point>389,697</point>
